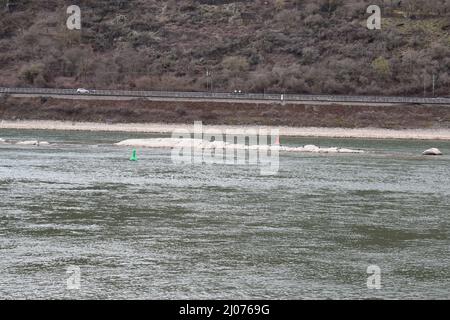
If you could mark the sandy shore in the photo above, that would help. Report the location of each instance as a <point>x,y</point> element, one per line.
<point>369,133</point>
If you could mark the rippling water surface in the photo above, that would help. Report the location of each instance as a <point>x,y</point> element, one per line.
<point>156,230</point>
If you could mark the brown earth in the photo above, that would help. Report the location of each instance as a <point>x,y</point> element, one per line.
<point>227,113</point>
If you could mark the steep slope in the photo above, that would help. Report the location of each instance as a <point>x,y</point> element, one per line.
<point>301,46</point>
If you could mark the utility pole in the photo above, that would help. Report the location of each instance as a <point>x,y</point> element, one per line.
<point>434,83</point>
<point>208,84</point>
<point>424,87</point>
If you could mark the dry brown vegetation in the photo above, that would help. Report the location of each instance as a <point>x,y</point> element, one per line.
<point>297,46</point>
<point>143,111</point>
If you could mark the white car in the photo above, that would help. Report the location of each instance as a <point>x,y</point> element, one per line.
<point>83,91</point>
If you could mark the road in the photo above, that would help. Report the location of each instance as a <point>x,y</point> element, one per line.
<point>221,97</point>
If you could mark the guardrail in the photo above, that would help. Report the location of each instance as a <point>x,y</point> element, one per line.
<point>230,96</point>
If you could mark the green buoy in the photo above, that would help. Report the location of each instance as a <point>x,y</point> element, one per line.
<point>134,156</point>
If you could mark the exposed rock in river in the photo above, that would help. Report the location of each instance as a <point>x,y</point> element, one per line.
<point>432,152</point>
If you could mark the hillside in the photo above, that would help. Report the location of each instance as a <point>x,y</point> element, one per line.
<point>302,46</point>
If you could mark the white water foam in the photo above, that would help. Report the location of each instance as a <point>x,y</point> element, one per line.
<point>25,143</point>
<point>33,143</point>
<point>203,144</point>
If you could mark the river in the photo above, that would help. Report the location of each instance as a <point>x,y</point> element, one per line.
<point>153,229</point>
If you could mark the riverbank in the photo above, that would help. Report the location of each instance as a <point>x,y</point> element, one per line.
<point>365,133</point>
<point>228,113</point>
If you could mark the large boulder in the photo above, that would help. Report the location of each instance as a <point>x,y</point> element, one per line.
<point>432,152</point>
